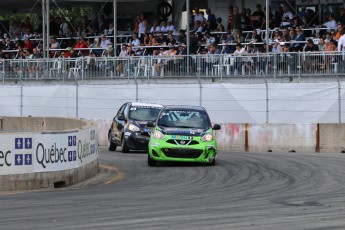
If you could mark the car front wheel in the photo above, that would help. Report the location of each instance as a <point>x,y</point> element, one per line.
<point>111,145</point>
<point>124,146</point>
<point>151,162</point>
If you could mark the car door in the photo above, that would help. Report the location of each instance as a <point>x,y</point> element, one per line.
<point>118,123</point>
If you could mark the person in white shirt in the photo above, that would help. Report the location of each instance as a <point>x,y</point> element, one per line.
<point>198,16</point>
<point>287,14</point>
<point>104,42</point>
<point>341,43</point>
<point>135,42</point>
<point>170,26</point>
<point>209,39</point>
<point>155,28</point>
<point>164,27</point>
<point>331,24</point>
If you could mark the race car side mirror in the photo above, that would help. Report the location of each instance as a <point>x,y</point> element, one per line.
<point>216,127</point>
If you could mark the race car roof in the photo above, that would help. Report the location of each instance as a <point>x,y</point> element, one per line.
<point>146,104</point>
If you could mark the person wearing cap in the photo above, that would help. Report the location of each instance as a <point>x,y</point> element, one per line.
<point>104,42</point>
<point>170,27</point>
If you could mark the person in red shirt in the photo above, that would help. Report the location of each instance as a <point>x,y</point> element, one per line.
<point>81,43</point>
<point>28,45</point>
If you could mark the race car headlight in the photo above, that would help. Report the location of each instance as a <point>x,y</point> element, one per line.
<point>158,135</point>
<point>207,137</point>
<point>133,128</point>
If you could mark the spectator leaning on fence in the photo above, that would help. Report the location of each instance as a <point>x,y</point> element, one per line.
<point>341,43</point>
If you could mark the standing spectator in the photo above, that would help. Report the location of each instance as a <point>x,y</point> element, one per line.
<point>340,32</point>
<point>63,27</point>
<point>341,43</point>
<point>236,19</point>
<point>341,16</point>
<point>287,15</point>
<point>278,15</point>
<point>212,18</point>
<point>191,20</point>
<point>142,27</point>
<point>302,13</point>
<point>27,24</point>
<point>198,27</point>
<point>245,21</point>
<point>198,16</point>
<point>54,27</point>
<point>220,27</point>
<point>230,17</point>
<point>258,17</point>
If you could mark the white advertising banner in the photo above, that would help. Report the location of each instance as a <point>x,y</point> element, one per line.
<point>46,152</point>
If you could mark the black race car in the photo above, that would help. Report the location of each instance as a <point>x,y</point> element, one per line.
<point>129,129</point>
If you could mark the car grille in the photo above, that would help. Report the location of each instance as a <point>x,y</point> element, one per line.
<point>182,142</point>
<point>182,153</point>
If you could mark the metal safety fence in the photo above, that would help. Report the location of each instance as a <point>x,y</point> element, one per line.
<point>270,65</point>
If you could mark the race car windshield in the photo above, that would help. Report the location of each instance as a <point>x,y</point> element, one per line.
<point>144,113</point>
<point>184,119</point>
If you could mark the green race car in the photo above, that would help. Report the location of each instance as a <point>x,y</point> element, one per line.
<point>182,133</point>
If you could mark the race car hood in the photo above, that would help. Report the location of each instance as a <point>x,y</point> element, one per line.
<point>183,131</point>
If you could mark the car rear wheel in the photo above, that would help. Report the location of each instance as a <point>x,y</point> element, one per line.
<point>124,146</point>
<point>151,162</point>
<point>111,145</point>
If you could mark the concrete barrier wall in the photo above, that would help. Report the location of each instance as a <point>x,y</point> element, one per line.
<point>56,153</point>
<point>269,137</point>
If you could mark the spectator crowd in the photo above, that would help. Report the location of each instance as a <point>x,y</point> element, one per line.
<point>241,33</point>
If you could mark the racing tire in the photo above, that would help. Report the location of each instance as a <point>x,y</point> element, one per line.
<point>111,145</point>
<point>124,146</point>
<point>151,162</point>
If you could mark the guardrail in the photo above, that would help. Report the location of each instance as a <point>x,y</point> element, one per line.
<point>270,65</point>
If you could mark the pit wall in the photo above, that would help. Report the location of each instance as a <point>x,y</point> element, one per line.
<point>269,137</point>
<point>44,158</point>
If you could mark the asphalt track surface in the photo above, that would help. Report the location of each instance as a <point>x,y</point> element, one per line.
<point>243,191</point>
